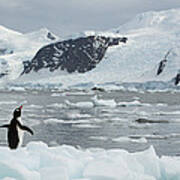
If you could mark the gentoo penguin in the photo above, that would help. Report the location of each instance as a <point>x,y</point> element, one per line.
<point>15,129</point>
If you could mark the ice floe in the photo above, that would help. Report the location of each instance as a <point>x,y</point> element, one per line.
<point>133,140</point>
<point>133,103</point>
<point>37,161</point>
<point>103,102</point>
<point>79,104</point>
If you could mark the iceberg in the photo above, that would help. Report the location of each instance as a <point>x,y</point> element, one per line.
<point>37,161</point>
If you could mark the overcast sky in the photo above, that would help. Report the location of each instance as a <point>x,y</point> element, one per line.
<point>64,17</point>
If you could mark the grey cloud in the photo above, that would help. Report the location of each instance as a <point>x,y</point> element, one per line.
<point>67,17</point>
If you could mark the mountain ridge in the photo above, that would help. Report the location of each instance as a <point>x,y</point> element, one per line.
<point>150,36</point>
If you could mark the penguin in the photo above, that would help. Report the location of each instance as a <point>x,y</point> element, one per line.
<point>15,129</point>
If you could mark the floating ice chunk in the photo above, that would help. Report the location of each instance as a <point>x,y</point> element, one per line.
<point>54,120</point>
<point>76,115</point>
<point>167,113</point>
<point>86,126</point>
<point>161,104</point>
<point>7,102</point>
<point>57,94</point>
<point>127,139</point>
<point>150,136</point>
<point>79,104</point>
<point>140,126</point>
<point>133,103</point>
<point>19,89</point>
<point>57,105</point>
<point>34,106</point>
<point>79,93</point>
<point>102,102</point>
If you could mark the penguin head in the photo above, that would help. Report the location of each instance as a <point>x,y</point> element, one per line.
<point>17,112</point>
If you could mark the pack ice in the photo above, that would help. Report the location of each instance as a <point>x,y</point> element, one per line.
<point>37,161</point>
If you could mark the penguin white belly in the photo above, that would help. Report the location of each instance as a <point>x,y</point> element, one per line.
<point>20,134</point>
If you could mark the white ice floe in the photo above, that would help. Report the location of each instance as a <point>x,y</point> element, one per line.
<point>33,106</point>
<point>88,125</point>
<point>133,140</point>
<point>37,161</point>
<point>54,120</point>
<point>57,94</point>
<point>76,115</point>
<point>85,104</point>
<point>133,103</point>
<point>7,102</point>
<point>167,113</point>
<point>57,105</point>
<point>156,136</point>
<point>103,102</point>
<point>161,105</point>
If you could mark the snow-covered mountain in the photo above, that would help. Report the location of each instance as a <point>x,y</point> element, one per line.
<point>74,55</point>
<point>149,59</point>
<point>16,47</point>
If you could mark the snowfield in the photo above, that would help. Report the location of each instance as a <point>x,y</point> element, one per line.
<point>37,161</point>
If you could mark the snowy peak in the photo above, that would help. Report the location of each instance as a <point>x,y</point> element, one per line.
<point>42,35</point>
<point>13,42</point>
<point>16,47</point>
<point>7,32</point>
<point>165,20</point>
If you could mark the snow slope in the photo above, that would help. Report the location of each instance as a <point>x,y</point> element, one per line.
<point>17,47</point>
<point>132,65</point>
<point>37,161</point>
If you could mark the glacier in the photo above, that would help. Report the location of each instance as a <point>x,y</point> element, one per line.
<point>131,66</point>
<point>38,161</point>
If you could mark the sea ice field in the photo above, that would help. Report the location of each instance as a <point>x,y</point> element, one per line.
<point>92,135</point>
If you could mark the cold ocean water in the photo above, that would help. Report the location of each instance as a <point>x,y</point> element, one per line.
<point>87,119</point>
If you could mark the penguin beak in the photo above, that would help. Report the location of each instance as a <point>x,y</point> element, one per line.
<point>21,107</point>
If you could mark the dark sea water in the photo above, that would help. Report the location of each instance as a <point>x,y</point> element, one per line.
<point>57,122</point>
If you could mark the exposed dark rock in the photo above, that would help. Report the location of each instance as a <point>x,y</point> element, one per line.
<point>161,67</point>
<point>97,89</point>
<point>142,120</point>
<point>50,36</point>
<point>177,79</point>
<point>4,51</point>
<point>3,74</point>
<point>162,63</point>
<point>78,55</point>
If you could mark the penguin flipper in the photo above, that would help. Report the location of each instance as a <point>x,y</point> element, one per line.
<point>25,128</point>
<point>5,126</point>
